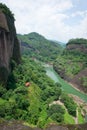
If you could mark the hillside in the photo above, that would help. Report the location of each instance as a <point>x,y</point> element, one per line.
<point>29,99</point>
<point>72,63</point>
<point>30,95</point>
<point>36,46</point>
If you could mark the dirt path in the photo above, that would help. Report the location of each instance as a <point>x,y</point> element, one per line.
<point>76,118</point>
<point>60,103</point>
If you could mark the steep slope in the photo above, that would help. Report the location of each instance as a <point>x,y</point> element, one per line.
<point>72,64</point>
<point>9,44</point>
<point>37,46</point>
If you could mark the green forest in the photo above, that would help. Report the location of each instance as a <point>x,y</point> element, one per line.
<point>36,46</point>
<point>29,95</point>
<point>33,103</point>
<point>72,63</point>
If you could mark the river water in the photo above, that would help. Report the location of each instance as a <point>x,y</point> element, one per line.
<point>65,86</point>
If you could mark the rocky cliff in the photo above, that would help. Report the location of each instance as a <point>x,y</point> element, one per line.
<point>72,64</point>
<point>77,47</point>
<point>15,125</point>
<point>9,44</point>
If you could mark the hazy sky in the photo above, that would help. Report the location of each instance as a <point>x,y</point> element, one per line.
<point>55,19</point>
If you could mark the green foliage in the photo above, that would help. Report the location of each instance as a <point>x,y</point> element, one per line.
<point>54,109</point>
<point>54,92</point>
<point>2,90</point>
<point>10,20</point>
<point>6,109</point>
<point>80,117</point>
<point>68,119</point>
<point>72,62</point>
<point>31,103</point>
<point>6,10</point>
<point>27,102</point>
<point>69,104</point>
<point>22,102</point>
<point>36,46</point>
<point>35,104</point>
<point>11,81</point>
<point>58,117</point>
<point>21,90</point>
<point>56,112</point>
<point>77,41</point>
<point>3,74</point>
<point>84,81</point>
<point>7,94</point>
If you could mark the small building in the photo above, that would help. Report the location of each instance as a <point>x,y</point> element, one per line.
<point>27,84</point>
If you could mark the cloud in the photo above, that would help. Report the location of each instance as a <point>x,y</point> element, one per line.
<point>79,13</point>
<point>46,17</point>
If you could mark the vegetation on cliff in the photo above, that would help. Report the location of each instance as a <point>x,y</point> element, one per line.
<point>9,44</point>
<point>30,94</point>
<point>77,41</point>
<point>32,103</point>
<point>72,62</point>
<point>36,46</point>
<point>6,10</point>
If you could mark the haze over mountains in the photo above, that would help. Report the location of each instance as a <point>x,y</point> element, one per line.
<point>37,46</point>
<point>27,94</point>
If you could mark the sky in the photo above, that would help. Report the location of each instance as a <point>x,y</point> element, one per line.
<point>59,20</point>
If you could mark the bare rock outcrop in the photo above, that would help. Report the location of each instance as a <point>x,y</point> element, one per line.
<point>15,125</point>
<point>9,45</point>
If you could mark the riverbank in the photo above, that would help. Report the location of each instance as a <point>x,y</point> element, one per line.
<point>68,88</point>
<point>75,87</point>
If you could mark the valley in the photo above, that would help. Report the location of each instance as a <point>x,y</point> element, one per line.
<point>35,78</point>
<point>65,85</point>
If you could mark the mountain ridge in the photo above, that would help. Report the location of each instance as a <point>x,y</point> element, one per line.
<point>39,47</point>
<point>72,63</point>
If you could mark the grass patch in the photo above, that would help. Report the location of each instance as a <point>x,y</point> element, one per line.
<point>68,119</point>
<point>2,101</point>
<point>80,117</point>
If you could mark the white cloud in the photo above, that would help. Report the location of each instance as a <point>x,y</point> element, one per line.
<point>79,13</point>
<point>46,17</point>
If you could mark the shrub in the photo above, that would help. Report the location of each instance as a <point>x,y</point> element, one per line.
<point>56,112</point>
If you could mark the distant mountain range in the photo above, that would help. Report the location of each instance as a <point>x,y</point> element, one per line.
<point>37,46</point>
<point>61,43</point>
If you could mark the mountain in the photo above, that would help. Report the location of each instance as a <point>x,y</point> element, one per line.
<point>37,46</point>
<point>72,63</point>
<point>61,43</point>
<point>29,95</point>
<point>9,44</point>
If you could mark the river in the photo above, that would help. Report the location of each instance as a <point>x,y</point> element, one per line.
<point>65,86</point>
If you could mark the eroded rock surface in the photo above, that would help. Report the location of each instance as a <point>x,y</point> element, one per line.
<point>9,46</point>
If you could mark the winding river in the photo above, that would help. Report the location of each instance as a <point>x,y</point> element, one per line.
<point>65,86</point>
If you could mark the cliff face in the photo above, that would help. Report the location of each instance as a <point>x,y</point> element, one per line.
<point>77,47</point>
<point>9,46</point>
<point>72,64</point>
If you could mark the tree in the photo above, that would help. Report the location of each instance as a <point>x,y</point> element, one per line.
<point>2,90</point>
<point>56,112</point>
<point>69,104</point>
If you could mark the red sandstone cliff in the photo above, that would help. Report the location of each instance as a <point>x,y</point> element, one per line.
<point>9,46</point>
